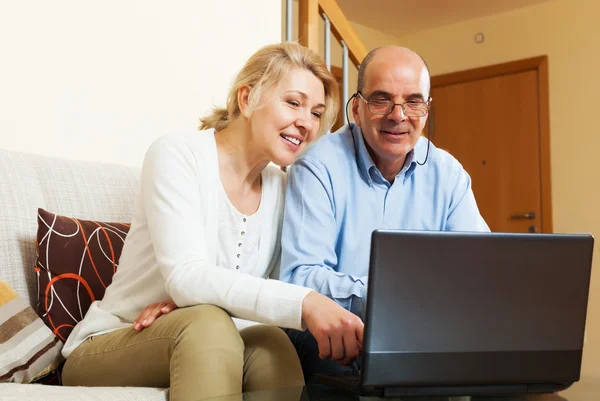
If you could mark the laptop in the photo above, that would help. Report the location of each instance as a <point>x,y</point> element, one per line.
<point>453,313</point>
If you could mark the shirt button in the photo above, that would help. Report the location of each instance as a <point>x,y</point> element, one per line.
<point>244,219</point>
<point>243,232</point>
<point>238,255</point>
<point>237,267</point>
<point>240,244</point>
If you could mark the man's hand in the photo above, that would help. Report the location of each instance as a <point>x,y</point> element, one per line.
<point>338,332</point>
<point>153,312</point>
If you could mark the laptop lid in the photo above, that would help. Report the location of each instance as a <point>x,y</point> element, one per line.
<point>456,309</point>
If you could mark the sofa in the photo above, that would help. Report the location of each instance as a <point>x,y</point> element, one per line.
<point>85,190</point>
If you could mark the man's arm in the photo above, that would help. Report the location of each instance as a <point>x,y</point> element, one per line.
<point>464,214</point>
<point>310,234</point>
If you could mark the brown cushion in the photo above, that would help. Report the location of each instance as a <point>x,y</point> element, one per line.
<point>76,262</point>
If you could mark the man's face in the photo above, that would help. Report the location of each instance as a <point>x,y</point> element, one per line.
<point>394,75</point>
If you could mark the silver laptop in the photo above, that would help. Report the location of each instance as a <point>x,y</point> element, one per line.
<point>453,313</point>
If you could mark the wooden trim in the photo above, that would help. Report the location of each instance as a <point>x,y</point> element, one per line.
<point>309,18</point>
<point>540,64</point>
<point>545,160</point>
<point>486,72</point>
<point>342,30</point>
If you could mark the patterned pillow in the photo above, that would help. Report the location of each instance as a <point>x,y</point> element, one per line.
<point>28,349</point>
<point>75,263</point>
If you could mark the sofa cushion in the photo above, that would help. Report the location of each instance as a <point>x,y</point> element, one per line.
<point>20,392</point>
<point>84,189</point>
<point>76,261</point>
<point>28,348</point>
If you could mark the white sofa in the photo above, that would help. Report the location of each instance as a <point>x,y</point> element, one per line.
<point>87,190</point>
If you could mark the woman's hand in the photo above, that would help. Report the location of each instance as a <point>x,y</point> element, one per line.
<point>338,332</point>
<point>153,312</point>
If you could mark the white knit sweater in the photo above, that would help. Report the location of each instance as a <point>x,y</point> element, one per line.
<point>171,249</point>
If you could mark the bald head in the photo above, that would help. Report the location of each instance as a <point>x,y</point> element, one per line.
<point>389,57</point>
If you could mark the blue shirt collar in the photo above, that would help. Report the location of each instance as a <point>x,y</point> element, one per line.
<point>366,164</point>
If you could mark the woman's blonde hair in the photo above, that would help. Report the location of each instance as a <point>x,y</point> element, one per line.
<point>265,69</point>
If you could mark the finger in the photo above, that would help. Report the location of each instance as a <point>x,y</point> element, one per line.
<point>146,314</point>
<point>137,324</point>
<point>359,332</point>
<point>350,348</point>
<point>324,346</point>
<point>168,307</point>
<point>143,313</point>
<point>137,320</point>
<point>346,361</point>
<point>337,347</point>
<point>153,314</point>
<point>164,308</point>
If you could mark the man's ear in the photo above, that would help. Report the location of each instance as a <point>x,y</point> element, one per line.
<point>243,97</point>
<point>355,114</point>
<point>426,117</point>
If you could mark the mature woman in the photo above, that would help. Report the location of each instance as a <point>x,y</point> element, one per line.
<point>205,232</point>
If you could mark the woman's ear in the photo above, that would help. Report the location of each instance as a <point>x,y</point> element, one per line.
<point>243,98</point>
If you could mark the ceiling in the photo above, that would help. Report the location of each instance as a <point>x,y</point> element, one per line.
<point>401,17</point>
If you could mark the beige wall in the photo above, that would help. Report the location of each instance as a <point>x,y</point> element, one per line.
<point>101,80</point>
<point>372,38</point>
<point>568,32</point>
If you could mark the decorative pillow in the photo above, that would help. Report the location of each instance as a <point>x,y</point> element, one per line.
<point>28,349</point>
<point>76,261</point>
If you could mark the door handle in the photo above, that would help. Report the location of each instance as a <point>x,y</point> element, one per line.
<point>528,215</point>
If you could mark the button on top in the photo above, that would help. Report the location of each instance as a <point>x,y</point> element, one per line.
<point>243,233</point>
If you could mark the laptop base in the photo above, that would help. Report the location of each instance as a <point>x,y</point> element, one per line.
<point>350,383</point>
<point>491,390</point>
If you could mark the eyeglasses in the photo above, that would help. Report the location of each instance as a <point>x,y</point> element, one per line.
<point>411,108</point>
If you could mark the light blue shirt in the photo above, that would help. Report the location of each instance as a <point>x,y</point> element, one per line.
<point>336,197</point>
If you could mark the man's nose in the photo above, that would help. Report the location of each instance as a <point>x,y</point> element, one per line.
<point>397,114</point>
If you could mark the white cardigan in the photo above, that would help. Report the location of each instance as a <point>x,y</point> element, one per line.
<point>171,249</point>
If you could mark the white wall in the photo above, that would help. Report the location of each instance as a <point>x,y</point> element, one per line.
<point>101,80</point>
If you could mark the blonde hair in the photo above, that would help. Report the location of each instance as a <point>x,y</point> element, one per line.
<point>265,69</point>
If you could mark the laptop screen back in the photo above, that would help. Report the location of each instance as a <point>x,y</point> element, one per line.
<point>477,292</point>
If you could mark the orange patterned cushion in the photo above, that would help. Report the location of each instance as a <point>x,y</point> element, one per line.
<point>75,263</point>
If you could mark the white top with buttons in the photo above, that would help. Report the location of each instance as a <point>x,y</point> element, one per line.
<point>171,249</point>
<point>239,237</point>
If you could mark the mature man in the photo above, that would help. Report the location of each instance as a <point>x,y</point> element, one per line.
<point>377,173</point>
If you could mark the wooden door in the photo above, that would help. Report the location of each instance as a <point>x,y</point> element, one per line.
<point>491,122</point>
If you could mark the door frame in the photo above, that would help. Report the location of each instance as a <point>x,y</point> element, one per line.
<point>539,64</point>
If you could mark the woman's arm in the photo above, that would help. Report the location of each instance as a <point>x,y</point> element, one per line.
<point>173,205</point>
<point>173,181</point>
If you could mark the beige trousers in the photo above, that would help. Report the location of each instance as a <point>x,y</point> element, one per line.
<point>196,351</point>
